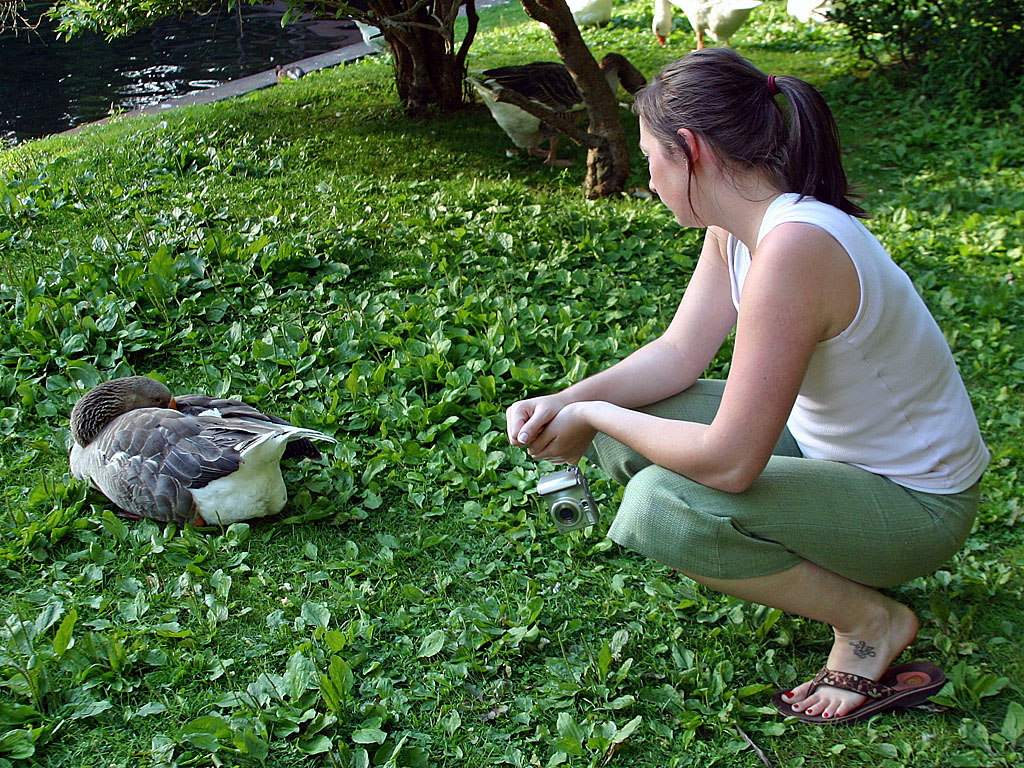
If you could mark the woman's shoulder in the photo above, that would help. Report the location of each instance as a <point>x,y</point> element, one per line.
<point>846,230</point>
<point>790,206</point>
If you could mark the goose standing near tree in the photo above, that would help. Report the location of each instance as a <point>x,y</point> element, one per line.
<point>718,18</point>
<point>194,459</point>
<point>548,83</point>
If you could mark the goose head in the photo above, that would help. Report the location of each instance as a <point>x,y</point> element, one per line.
<point>105,402</point>
<point>662,21</point>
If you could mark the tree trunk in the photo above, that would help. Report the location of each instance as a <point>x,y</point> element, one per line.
<point>429,73</point>
<point>608,157</point>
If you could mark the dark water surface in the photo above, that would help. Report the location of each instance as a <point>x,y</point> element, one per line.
<point>48,86</point>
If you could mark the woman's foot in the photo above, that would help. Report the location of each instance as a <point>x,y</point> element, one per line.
<point>871,630</point>
<point>866,651</point>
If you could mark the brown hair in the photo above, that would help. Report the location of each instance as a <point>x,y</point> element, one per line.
<point>718,94</point>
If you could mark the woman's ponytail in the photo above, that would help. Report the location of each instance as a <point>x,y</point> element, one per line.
<point>813,163</point>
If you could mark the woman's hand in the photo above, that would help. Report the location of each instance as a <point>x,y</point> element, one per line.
<point>526,419</point>
<point>566,437</point>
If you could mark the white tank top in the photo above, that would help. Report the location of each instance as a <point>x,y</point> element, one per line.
<point>884,394</point>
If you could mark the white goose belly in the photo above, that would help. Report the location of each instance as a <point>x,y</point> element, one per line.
<point>255,489</point>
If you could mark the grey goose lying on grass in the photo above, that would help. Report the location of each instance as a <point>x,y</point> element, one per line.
<point>192,459</point>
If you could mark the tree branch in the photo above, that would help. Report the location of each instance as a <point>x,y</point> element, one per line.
<point>396,20</point>
<point>561,121</point>
<point>12,17</point>
<point>473,20</point>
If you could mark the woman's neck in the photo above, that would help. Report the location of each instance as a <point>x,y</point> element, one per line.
<point>739,205</point>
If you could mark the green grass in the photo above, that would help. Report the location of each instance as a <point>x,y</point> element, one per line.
<point>398,283</point>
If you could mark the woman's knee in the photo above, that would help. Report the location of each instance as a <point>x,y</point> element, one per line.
<point>620,461</point>
<point>658,506</point>
<point>648,486</point>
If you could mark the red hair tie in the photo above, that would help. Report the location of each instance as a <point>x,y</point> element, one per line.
<point>772,89</point>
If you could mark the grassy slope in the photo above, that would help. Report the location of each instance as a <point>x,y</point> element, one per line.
<point>397,283</point>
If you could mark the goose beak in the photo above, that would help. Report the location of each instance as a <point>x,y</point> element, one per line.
<point>172,404</point>
<point>661,40</point>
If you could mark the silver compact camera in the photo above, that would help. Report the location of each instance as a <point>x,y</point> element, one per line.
<point>568,497</point>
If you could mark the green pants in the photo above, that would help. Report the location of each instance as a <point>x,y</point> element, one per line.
<point>845,519</point>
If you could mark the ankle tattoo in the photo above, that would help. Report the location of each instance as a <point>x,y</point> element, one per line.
<point>862,650</point>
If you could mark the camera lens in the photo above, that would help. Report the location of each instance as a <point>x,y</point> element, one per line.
<point>566,512</point>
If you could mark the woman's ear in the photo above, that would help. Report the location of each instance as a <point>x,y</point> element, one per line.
<point>691,142</point>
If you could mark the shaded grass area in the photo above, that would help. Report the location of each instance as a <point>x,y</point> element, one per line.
<point>397,283</point>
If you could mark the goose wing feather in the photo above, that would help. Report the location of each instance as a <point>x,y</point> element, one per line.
<point>195,405</point>
<point>547,82</point>
<point>147,460</point>
<point>181,446</point>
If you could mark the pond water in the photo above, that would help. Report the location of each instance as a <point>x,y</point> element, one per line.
<point>48,86</point>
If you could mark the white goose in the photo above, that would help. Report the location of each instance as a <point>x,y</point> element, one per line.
<point>194,459</point>
<point>809,10</point>
<point>550,84</point>
<point>590,13</point>
<point>719,18</point>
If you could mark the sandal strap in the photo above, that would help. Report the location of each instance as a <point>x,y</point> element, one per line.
<point>848,681</point>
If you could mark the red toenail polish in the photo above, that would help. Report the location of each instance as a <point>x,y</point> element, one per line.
<point>826,715</point>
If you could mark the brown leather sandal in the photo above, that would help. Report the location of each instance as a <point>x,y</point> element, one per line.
<point>902,686</point>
